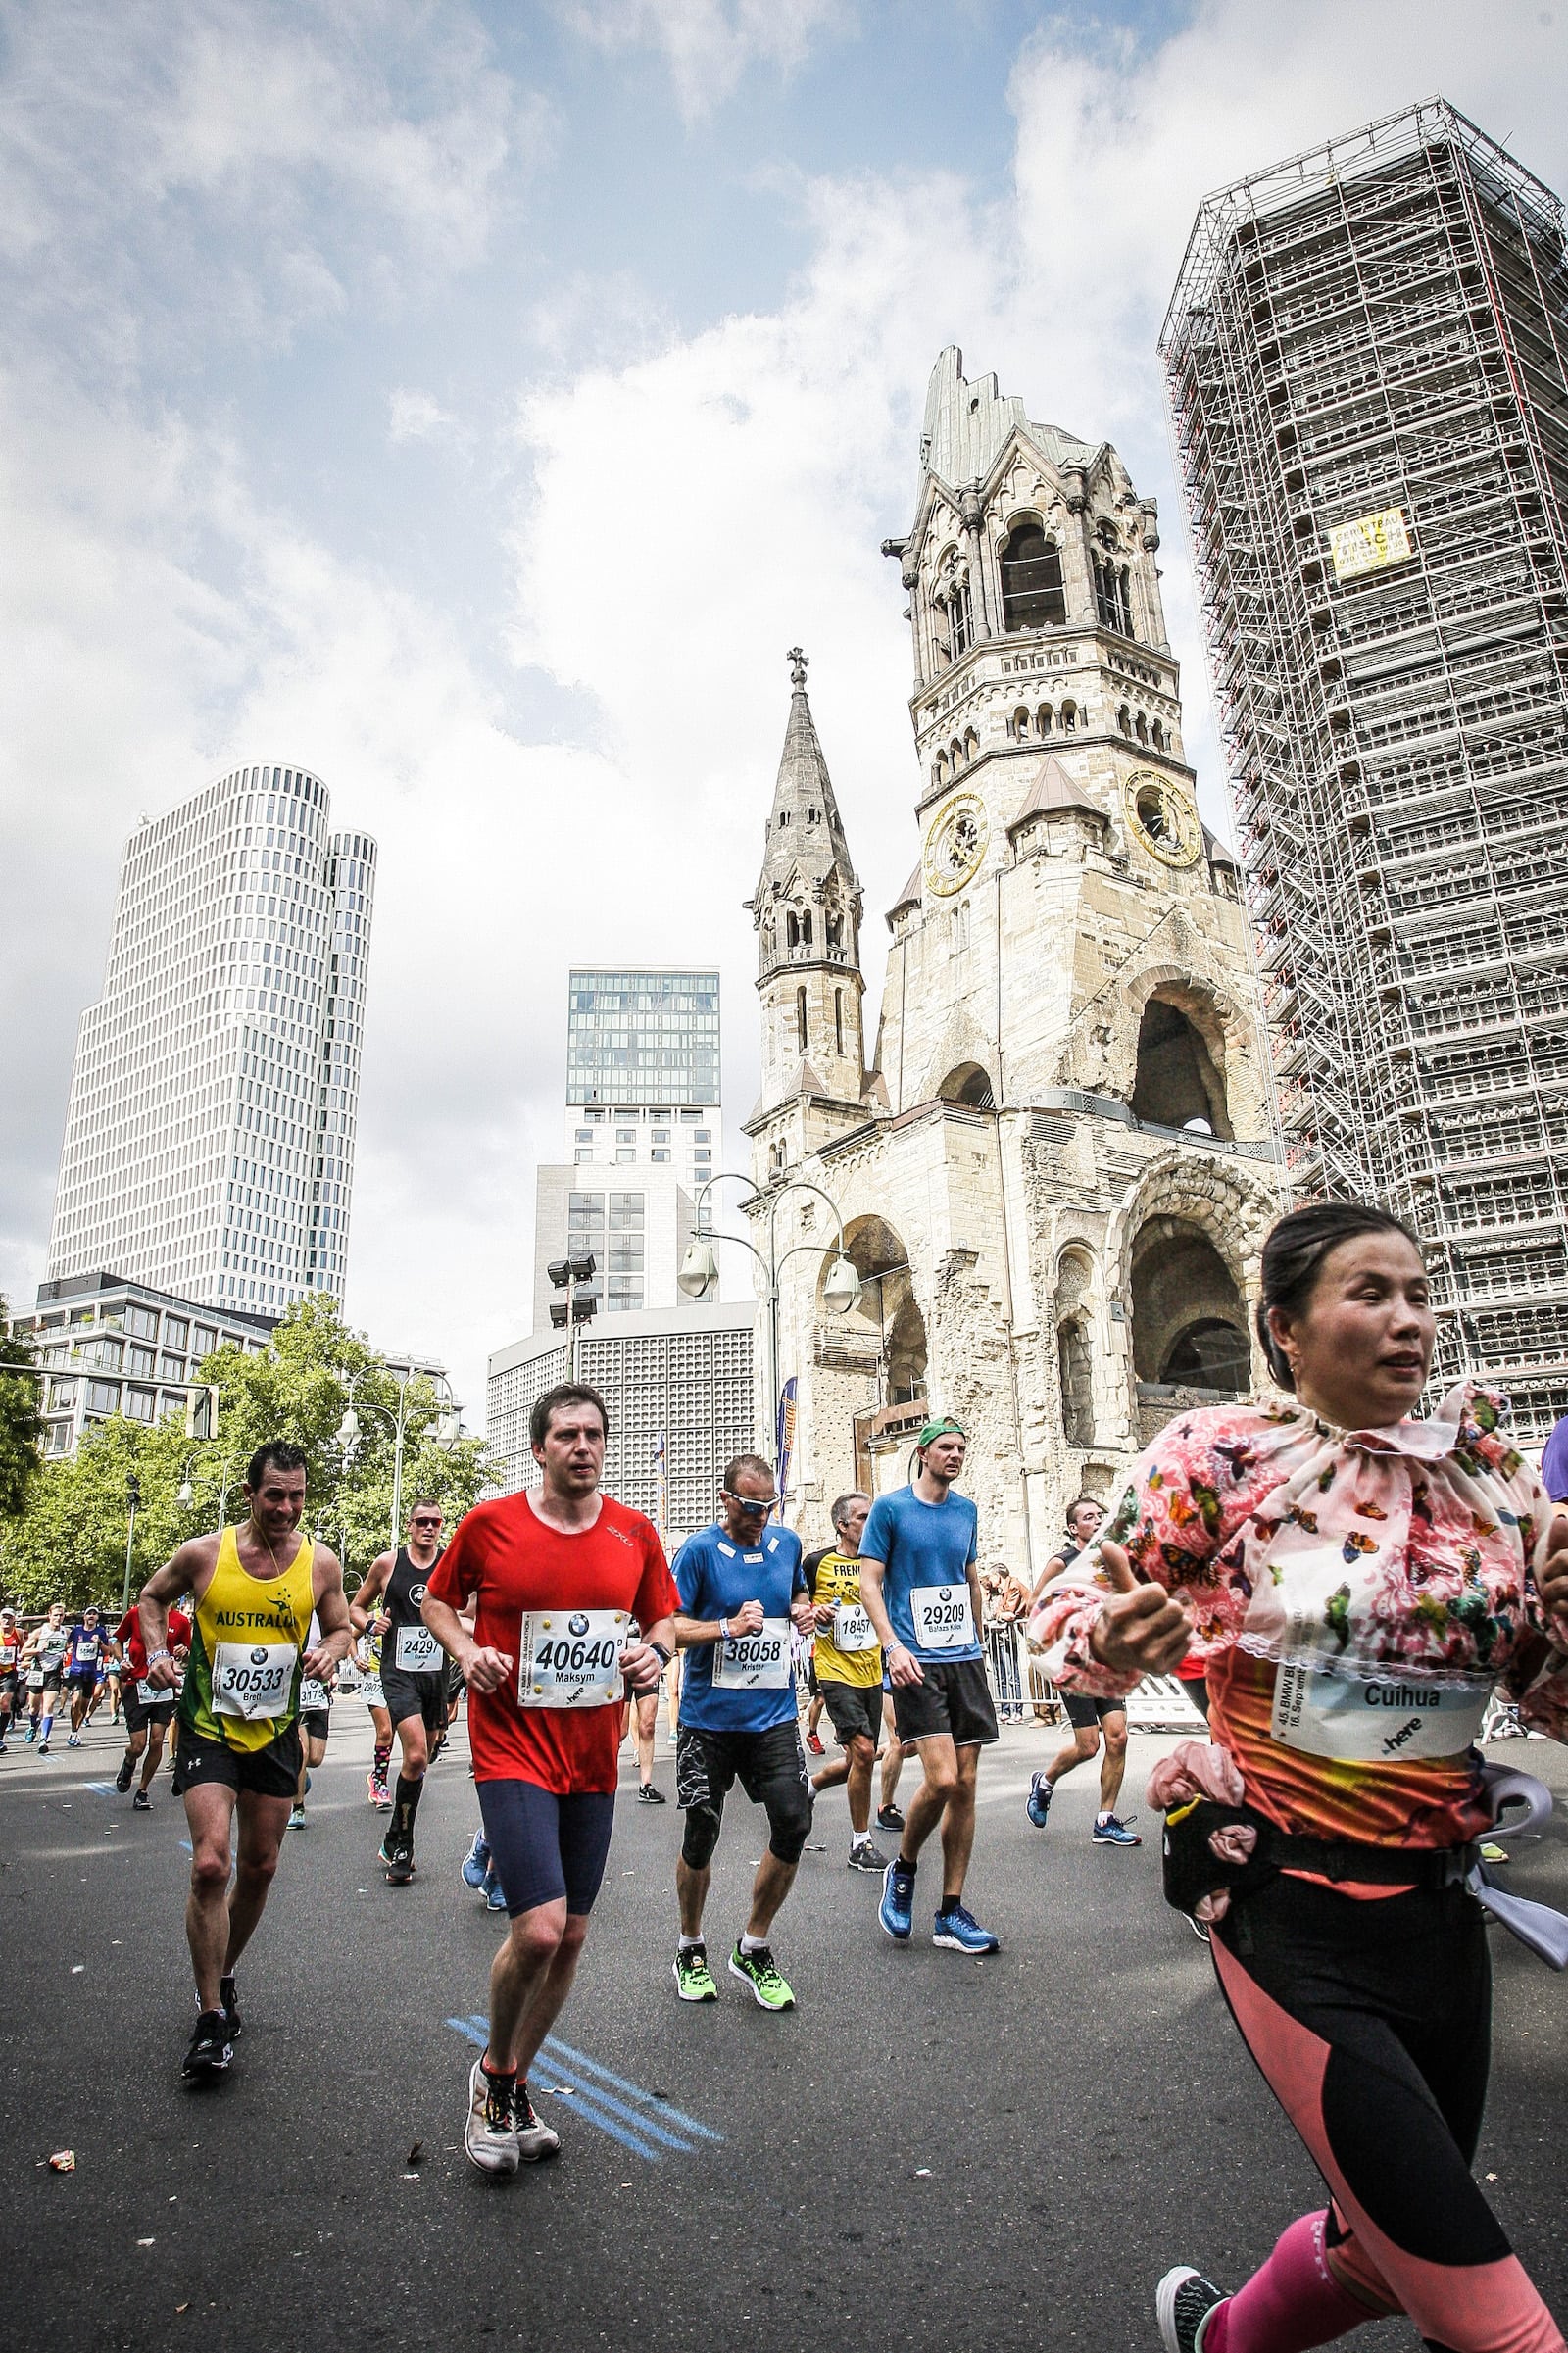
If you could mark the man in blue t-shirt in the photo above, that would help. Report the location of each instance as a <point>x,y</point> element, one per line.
<point>86,1663</point>
<point>920,1587</point>
<point>740,1584</point>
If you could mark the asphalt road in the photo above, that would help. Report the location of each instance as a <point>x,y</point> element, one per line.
<point>929,2152</point>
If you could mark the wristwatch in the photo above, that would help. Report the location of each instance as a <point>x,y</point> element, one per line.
<point>663,1655</point>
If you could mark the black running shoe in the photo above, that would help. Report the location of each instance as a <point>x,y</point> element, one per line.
<point>141,1804</point>
<point>128,1766</point>
<point>398,1856</point>
<point>647,1794</point>
<point>888,1817</point>
<point>228,1996</point>
<point>211,2049</point>
<point>1183,2302</point>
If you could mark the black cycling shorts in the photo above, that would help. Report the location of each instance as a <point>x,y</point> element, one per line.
<point>543,1846</point>
<point>954,1698</point>
<point>422,1695</point>
<point>1083,1712</point>
<point>770,1767</point>
<point>854,1707</point>
<point>269,1772</point>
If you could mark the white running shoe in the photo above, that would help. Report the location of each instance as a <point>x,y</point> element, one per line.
<point>534,2139</point>
<point>490,2135</point>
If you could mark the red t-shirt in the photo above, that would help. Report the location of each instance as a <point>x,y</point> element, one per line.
<point>128,1634</point>
<point>506,1561</point>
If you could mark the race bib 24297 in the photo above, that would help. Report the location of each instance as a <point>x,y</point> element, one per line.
<point>417,1652</point>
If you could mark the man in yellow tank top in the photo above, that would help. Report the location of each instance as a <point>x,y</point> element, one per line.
<point>254,1588</point>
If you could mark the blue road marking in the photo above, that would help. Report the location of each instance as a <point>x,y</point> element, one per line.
<point>103,1789</point>
<point>635,2091</point>
<point>643,2128</point>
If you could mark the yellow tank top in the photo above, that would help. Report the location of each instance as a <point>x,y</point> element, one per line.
<point>242,1680</point>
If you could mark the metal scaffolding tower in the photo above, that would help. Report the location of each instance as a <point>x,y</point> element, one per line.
<point>1364,358</point>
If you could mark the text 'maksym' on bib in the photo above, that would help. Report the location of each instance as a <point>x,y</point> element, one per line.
<point>852,1629</point>
<point>943,1619</point>
<point>417,1651</point>
<point>1371,1719</point>
<point>754,1662</point>
<point>571,1657</point>
<point>253,1680</point>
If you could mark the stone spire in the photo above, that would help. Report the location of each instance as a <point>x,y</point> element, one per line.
<point>807,910</point>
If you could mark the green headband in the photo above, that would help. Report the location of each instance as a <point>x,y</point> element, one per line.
<point>944,1428</point>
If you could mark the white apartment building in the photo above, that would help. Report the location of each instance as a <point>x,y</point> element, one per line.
<point>209,1146</point>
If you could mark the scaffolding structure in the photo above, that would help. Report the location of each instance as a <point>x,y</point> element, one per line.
<point>1365,364</point>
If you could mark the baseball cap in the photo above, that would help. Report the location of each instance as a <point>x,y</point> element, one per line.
<point>944,1427</point>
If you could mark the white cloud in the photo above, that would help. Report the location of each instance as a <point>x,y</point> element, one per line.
<point>418,416</point>
<point>710,45</point>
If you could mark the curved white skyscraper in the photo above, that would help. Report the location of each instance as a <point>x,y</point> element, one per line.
<point>210,1139</point>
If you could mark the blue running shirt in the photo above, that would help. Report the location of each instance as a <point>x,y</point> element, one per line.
<point>715,1577</point>
<point>926,1548</point>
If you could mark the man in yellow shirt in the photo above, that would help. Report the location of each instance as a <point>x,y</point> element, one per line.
<point>849,1673</point>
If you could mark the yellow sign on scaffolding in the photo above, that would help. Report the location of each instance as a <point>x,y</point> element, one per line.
<point>1369,543</point>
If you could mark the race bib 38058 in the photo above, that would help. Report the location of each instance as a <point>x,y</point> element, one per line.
<point>754,1662</point>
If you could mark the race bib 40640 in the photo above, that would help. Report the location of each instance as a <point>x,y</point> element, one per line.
<point>571,1657</point>
<point>754,1662</point>
<point>943,1618</point>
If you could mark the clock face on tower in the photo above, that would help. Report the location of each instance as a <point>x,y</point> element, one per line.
<point>1161,818</point>
<point>954,844</point>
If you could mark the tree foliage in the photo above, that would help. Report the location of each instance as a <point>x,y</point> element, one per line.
<point>69,1543</point>
<point>20,1425</point>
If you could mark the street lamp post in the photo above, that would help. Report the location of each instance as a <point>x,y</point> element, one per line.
<point>446,1434</point>
<point>133,1498</point>
<point>699,1270</point>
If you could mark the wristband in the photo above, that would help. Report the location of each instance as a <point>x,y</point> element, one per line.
<point>663,1655</point>
<point>153,1656</point>
<point>723,1629</point>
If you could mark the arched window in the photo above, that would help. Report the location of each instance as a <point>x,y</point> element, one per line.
<point>792,929</point>
<point>1158,734</point>
<point>955,624</point>
<point>938,774</point>
<point>811,817</point>
<point>1069,718</point>
<point>1031,592</point>
<point>1177,1083</point>
<point>1020,724</point>
<point>1042,719</point>
<point>1124,720</point>
<point>838,1020</point>
<point>1075,1369</point>
<point>783,819</point>
<point>955,754</point>
<point>1124,601</point>
<point>971,746</point>
<point>800,1019</point>
<point>1143,729</point>
<point>835,931</point>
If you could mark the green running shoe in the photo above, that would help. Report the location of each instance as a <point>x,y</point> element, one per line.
<point>694,1980</point>
<point>758,1969</point>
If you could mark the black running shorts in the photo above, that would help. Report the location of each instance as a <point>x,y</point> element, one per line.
<point>1082,1712</point>
<point>269,1772</point>
<point>422,1695</point>
<point>316,1722</point>
<point>543,1847</point>
<point>854,1707</point>
<point>954,1698</point>
<point>140,1713</point>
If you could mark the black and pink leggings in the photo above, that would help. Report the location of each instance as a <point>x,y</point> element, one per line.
<point>1371,2023</point>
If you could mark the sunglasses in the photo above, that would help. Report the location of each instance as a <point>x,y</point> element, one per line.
<point>748,1503</point>
<point>435,1523</point>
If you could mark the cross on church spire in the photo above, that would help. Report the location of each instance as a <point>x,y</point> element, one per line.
<point>797,662</point>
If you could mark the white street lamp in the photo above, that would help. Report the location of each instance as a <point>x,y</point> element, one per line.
<point>699,1270</point>
<point>841,1292</point>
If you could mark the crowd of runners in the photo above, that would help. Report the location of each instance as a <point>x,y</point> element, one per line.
<point>1343,1588</point>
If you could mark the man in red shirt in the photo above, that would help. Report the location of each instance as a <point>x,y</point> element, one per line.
<point>149,1708</point>
<point>554,1578</point>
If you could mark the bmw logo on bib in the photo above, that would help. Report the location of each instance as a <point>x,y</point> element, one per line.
<point>257,1658</point>
<point>578,1624</point>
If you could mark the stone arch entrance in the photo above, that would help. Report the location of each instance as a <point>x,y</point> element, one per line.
<point>1177,1080</point>
<point>969,1083</point>
<point>887,1309</point>
<point>1075,1364</point>
<point>1189,1319</point>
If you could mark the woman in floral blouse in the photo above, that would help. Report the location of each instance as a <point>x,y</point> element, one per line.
<point>1356,1584</point>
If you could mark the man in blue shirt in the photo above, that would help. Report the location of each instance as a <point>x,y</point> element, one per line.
<point>920,1587</point>
<point>85,1666</point>
<point>740,1584</point>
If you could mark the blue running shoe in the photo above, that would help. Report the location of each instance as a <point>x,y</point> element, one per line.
<point>1109,1832</point>
<point>1038,1805</point>
<point>896,1911</point>
<point>494,1896</point>
<point>476,1862</point>
<point>958,1931</point>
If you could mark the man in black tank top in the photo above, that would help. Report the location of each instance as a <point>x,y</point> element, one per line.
<point>413,1672</point>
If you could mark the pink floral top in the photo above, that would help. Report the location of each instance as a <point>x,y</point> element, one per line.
<point>1411,1549</point>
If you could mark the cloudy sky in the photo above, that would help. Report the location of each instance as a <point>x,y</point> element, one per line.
<point>475,401</point>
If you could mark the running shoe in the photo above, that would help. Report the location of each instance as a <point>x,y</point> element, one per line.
<point>30,1736</point>
<point>398,1856</point>
<point>1199,1929</point>
<point>1109,1832</point>
<point>228,1996</point>
<point>1038,1805</point>
<point>476,1862</point>
<point>43,1748</point>
<point>123,1779</point>
<point>495,1895</point>
<point>211,2049</point>
<point>534,2139</point>
<point>296,1818</point>
<point>760,1972</point>
<point>814,1743</point>
<point>647,1794</point>
<point>1183,2302</point>
<point>896,1911</point>
<point>74,1740</point>
<point>489,2133</point>
<point>694,1980</point>
<point>956,1930</point>
<point>888,1817</point>
<point>863,1856</point>
<point>381,1796</point>
<point>141,1804</point>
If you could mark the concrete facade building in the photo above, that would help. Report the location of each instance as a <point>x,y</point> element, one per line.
<point>209,1146</point>
<point>1055,1169</point>
<point>1366,357</point>
<point>114,1347</point>
<point>643,1069</point>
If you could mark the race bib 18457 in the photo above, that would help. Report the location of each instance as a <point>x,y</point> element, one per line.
<point>754,1662</point>
<point>571,1657</point>
<point>943,1618</point>
<point>852,1629</point>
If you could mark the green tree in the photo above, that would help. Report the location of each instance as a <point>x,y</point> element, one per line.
<point>21,1424</point>
<point>70,1543</point>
